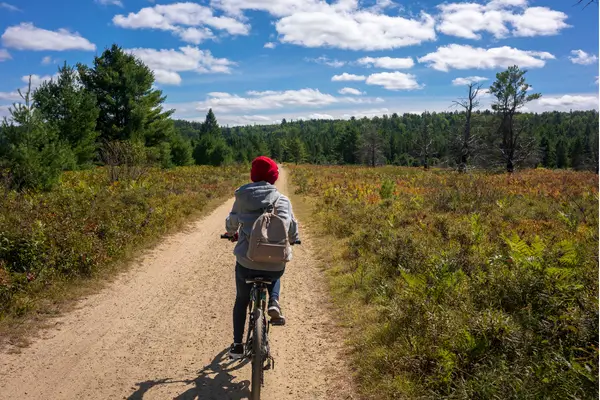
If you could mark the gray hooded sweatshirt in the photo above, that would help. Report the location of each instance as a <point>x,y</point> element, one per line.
<point>250,199</point>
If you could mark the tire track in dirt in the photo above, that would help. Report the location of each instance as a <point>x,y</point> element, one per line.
<point>162,329</point>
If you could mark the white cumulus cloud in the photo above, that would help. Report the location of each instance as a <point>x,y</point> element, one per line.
<point>327,61</point>
<point>387,62</point>
<point>167,77</point>
<point>110,2</point>
<point>569,102</point>
<point>539,21</point>
<point>10,96</point>
<point>37,80</point>
<point>348,77</point>
<point>187,58</point>
<point>278,8</point>
<point>270,45</point>
<point>275,99</point>
<point>320,116</point>
<point>4,55</point>
<point>354,30</point>
<point>394,81</point>
<point>500,19</point>
<point>349,90</point>
<point>344,24</point>
<point>189,21</point>
<point>26,36</point>
<point>467,80</point>
<point>455,56</point>
<point>583,58</point>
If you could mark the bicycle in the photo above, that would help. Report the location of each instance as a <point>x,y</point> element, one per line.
<point>257,348</point>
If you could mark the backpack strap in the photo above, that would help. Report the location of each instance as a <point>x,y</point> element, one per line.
<point>271,207</point>
<point>275,205</point>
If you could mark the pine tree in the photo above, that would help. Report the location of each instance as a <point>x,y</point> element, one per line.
<point>70,110</point>
<point>561,154</point>
<point>297,150</point>
<point>371,146</point>
<point>576,154</point>
<point>210,125</point>
<point>31,150</point>
<point>211,148</point>
<point>511,92</point>
<point>546,153</point>
<point>129,107</point>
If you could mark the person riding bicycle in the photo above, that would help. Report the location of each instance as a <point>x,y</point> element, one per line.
<point>250,200</point>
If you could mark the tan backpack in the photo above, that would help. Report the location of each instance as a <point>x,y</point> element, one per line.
<point>268,241</point>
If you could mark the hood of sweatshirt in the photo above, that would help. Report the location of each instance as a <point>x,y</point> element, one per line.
<point>256,196</point>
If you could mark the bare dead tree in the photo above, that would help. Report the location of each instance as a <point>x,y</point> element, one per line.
<point>586,3</point>
<point>466,140</point>
<point>124,161</point>
<point>424,141</point>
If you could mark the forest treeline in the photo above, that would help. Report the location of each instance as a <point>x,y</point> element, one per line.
<point>110,113</point>
<point>559,139</point>
<point>503,137</point>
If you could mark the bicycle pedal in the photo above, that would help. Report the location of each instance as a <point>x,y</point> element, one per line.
<point>277,322</point>
<point>270,364</point>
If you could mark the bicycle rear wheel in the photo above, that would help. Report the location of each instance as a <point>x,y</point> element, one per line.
<point>258,353</point>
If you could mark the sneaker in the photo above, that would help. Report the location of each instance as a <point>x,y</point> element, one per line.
<point>274,311</point>
<point>236,351</point>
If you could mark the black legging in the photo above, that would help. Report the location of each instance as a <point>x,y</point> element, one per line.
<point>242,297</point>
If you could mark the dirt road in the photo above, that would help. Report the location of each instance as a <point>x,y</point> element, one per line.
<point>162,329</point>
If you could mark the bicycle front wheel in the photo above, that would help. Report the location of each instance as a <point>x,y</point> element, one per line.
<point>258,353</point>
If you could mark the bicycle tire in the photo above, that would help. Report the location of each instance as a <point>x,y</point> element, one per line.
<point>258,356</point>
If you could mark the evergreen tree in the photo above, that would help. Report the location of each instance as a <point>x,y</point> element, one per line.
<point>211,148</point>
<point>31,150</point>
<point>371,146</point>
<point>510,90</point>
<point>71,111</point>
<point>347,145</point>
<point>129,107</point>
<point>561,154</point>
<point>181,151</point>
<point>297,150</point>
<point>210,125</point>
<point>576,154</point>
<point>546,153</point>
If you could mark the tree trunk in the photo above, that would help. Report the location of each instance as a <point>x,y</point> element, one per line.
<point>464,156</point>
<point>510,168</point>
<point>373,156</point>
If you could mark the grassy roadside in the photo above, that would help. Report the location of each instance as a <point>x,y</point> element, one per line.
<point>59,246</point>
<point>328,251</point>
<point>450,286</point>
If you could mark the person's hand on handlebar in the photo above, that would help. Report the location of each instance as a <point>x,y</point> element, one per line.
<point>231,238</point>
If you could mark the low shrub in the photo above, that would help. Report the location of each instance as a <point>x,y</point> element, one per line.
<point>464,285</point>
<point>90,220</point>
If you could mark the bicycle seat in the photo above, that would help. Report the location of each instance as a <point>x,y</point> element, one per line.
<point>259,280</point>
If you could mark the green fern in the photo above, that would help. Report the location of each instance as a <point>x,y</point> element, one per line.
<point>569,251</point>
<point>525,254</point>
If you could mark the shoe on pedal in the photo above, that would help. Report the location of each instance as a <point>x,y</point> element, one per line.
<point>275,313</point>
<point>236,351</point>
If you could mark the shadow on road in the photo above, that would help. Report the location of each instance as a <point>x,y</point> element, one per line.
<point>214,381</point>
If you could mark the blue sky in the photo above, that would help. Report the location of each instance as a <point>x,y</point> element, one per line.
<point>257,61</point>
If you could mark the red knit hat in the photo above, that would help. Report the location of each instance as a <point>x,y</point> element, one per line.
<point>264,169</point>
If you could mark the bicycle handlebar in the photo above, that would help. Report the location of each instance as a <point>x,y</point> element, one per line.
<point>233,239</point>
